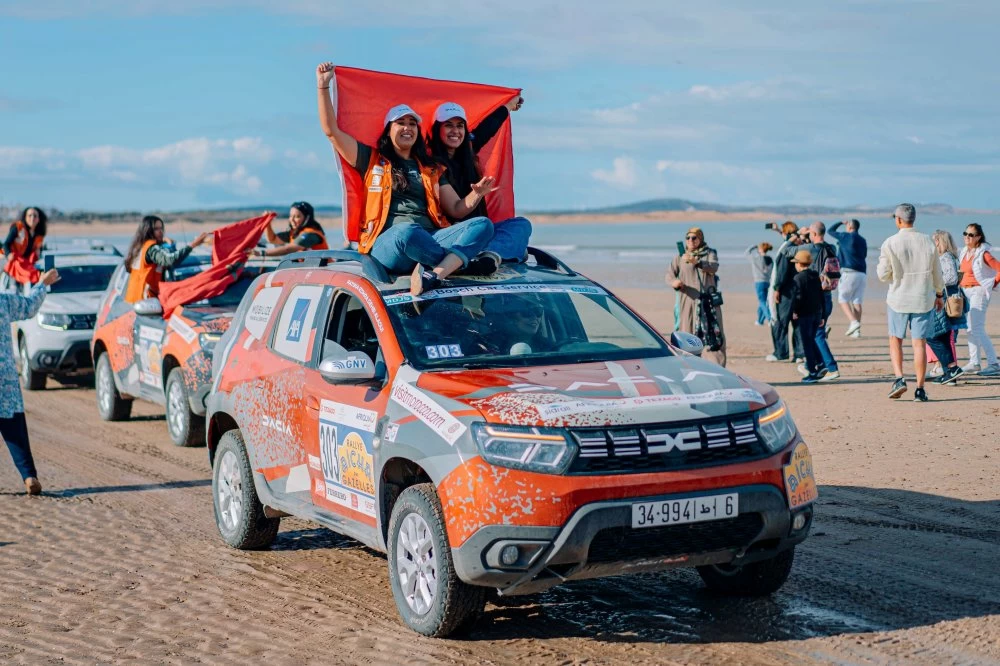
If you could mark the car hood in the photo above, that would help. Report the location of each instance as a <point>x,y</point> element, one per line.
<point>208,318</point>
<point>77,302</point>
<point>664,389</point>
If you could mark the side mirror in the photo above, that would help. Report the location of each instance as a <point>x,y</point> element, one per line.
<point>148,307</point>
<point>687,342</point>
<point>351,368</point>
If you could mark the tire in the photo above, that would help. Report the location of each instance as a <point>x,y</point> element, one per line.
<point>30,379</point>
<point>239,515</point>
<point>756,579</point>
<point>452,605</point>
<point>185,427</point>
<point>110,404</point>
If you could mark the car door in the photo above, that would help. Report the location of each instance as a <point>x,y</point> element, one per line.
<point>344,418</point>
<point>146,379</point>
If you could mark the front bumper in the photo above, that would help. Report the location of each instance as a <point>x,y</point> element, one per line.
<point>73,358</point>
<point>598,540</point>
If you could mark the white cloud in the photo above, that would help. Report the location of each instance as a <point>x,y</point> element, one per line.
<point>623,174</point>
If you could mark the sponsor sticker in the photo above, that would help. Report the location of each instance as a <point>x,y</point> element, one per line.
<point>346,455</point>
<point>800,482</point>
<point>391,431</point>
<point>427,410</point>
<point>584,405</point>
<point>314,463</point>
<point>480,290</point>
<point>186,332</point>
<point>372,310</point>
<point>148,356</point>
<point>298,320</point>
<point>261,310</point>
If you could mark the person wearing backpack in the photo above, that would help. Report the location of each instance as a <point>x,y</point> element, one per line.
<point>827,266</point>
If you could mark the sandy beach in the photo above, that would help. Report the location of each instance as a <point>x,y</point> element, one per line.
<point>120,562</point>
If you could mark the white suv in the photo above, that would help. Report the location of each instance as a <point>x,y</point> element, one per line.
<point>56,341</point>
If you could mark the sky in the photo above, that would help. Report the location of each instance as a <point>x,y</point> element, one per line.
<point>148,105</point>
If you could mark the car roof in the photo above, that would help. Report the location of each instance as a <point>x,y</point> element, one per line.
<point>540,267</point>
<point>69,258</point>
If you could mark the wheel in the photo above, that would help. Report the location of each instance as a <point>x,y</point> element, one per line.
<point>431,599</point>
<point>30,380</point>
<point>110,404</point>
<point>186,428</point>
<point>755,579</point>
<point>239,515</point>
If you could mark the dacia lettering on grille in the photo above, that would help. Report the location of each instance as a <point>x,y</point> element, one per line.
<point>658,441</point>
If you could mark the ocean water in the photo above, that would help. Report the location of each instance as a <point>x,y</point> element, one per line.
<point>630,255</point>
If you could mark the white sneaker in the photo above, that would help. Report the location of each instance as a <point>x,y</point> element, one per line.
<point>854,326</point>
<point>801,367</point>
<point>936,371</point>
<point>856,334</point>
<point>970,368</point>
<point>990,371</point>
<point>830,376</point>
<point>771,358</point>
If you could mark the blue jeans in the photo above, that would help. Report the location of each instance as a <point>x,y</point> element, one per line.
<point>763,312</point>
<point>510,238</point>
<point>403,246</point>
<point>828,361</point>
<point>810,329</point>
<point>15,433</point>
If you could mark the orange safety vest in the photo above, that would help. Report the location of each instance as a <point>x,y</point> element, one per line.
<point>378,180</point>
<point>20,245</point>
<point>322,245</point>
<point>144,278</point>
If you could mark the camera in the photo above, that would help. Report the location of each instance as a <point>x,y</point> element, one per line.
<point>714,296</point>
<point>771,225</point>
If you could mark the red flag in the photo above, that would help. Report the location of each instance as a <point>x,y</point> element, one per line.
<point>231,243</point>
<point>21,270</point>
<point>364,96</point>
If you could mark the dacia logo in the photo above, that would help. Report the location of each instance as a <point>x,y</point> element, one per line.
<point>276,424</point>
<point>665,442</point>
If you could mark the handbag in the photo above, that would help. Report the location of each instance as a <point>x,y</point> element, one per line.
<point>954,305</point>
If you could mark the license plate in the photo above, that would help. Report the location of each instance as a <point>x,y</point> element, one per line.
<point>687,510</point>
<point>800,482</point>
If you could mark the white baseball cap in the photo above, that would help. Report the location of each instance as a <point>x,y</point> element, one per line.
<point>447,111</point>
<point>398,111</point>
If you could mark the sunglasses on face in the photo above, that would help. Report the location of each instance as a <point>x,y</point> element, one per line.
<point>972,235</point>
<point>528,314</point>
<point>691,237</point>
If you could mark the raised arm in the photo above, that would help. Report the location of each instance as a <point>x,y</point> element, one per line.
<point>457,207</point>
<point>345,144</point>
<point>164,258</point>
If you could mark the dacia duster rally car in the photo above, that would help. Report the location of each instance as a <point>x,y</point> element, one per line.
<point>511,432</point>
<point>140,354</point>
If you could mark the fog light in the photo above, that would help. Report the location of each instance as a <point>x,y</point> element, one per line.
<point>509,555</point>
<point>45,359</point>
<point>799,521</point>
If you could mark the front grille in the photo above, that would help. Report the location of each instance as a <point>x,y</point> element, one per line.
<point>82,322</point>
<point>665,447</point>
<point>623,544</point>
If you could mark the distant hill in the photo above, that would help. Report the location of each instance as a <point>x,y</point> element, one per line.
<point>790,210</point>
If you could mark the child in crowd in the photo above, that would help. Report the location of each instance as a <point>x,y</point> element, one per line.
<point>807,310</point>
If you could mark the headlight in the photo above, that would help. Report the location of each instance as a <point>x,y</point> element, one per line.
<point>775,426</point>
<point>208,341</point>
<point>545,450</point>
<point>53,321</point>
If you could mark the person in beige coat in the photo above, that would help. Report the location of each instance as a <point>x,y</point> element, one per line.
<point>691,275</point>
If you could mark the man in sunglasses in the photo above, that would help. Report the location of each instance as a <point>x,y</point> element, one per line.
<point>908,261</point>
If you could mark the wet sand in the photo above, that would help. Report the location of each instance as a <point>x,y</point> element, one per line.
<point>120,561</point>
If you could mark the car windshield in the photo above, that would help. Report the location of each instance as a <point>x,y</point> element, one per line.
<point>233,294</point>
<point>82,278</point>
<point>518,325</point>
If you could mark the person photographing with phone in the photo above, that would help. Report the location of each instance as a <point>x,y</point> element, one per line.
<point>693,276</point>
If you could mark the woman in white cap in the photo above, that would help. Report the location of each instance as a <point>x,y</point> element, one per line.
<point>408,197</point>
<point>457,147</point>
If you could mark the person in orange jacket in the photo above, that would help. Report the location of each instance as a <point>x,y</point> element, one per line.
<point>23,245</point>
<point>146,258</point>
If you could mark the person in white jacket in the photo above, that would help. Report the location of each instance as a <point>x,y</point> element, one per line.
<point>979,278</point>
<point>908,262</point>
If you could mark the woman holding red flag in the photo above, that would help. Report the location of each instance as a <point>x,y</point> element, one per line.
<point>23,246</point>
<point>147,257</point>
<point>457,147</point>
<point>304,233</point>
<point>408,197</point>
